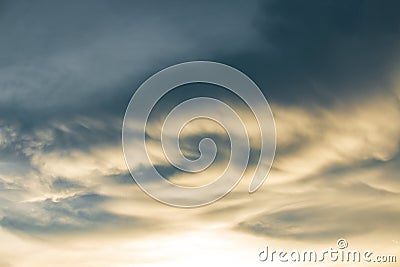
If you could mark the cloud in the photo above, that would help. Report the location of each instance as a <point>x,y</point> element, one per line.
<point>80,166</point>
<point>105,51</point>
<point>321,223</point>
<point>312,140</point>
<point>322,53</point>
<point>66,215</point>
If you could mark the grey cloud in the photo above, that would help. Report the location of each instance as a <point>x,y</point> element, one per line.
<point>61,184</point>
<point>62,63</point>
<point>72,53</point>
<point>323,52</point>
<point>122,179</point>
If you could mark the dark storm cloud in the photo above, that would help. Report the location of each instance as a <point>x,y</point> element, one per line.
<point>61,62</point>
<point>321,52</point>
<point>63,56</point>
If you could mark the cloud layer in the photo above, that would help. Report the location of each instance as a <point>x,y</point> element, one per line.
<point>329,70</point>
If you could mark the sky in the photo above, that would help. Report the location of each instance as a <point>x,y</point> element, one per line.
<point>329,69</point>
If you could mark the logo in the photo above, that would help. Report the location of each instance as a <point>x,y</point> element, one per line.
<point>246,152</point>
